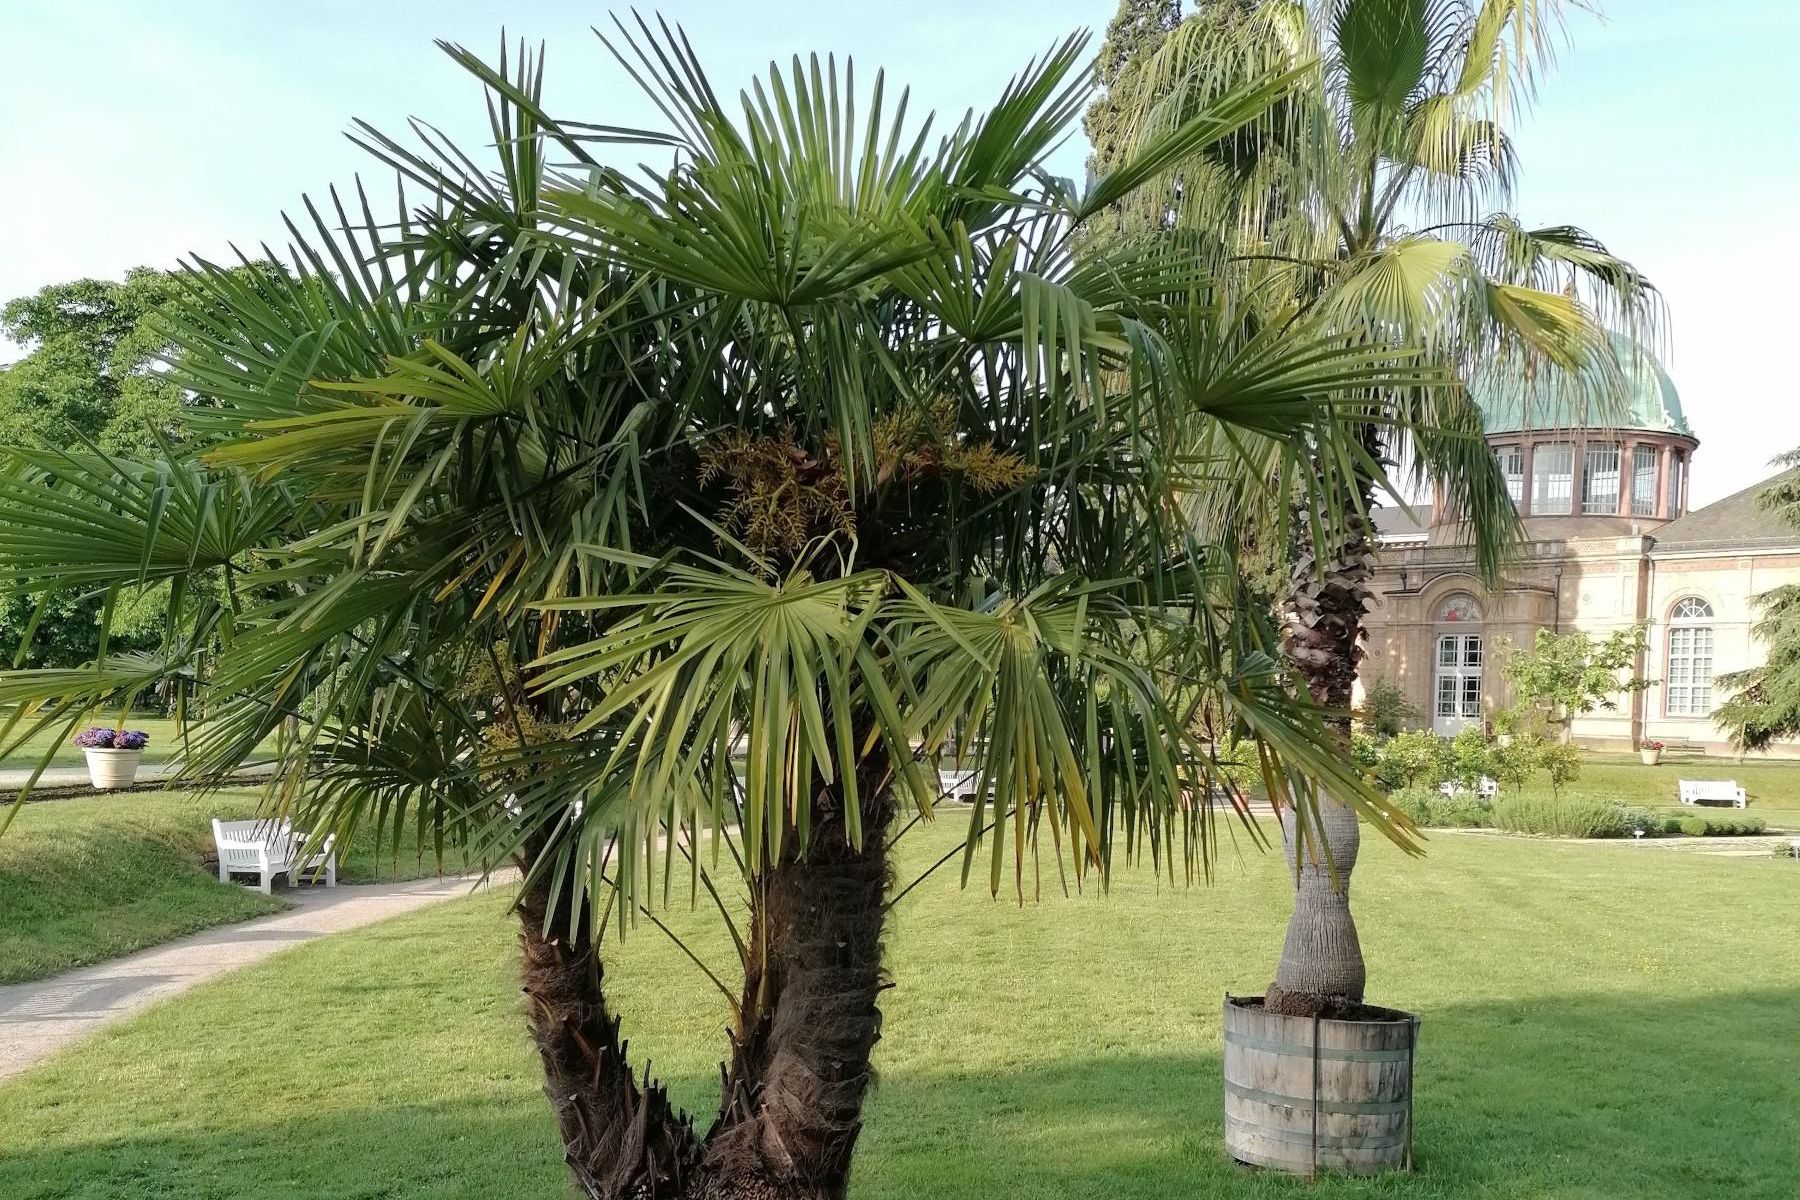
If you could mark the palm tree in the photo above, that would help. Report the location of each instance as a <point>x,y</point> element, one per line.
<point>651,530</point>
<point>1372,196</point>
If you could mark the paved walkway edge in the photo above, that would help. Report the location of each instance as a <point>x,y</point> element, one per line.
<point>39,1018</point>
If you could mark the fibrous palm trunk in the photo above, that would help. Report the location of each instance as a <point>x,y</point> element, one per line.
<point>800,1069</point>
<point>1321,964</point>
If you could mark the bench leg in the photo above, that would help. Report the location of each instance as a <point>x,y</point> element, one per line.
<point>331,871</point>
<point>224,873</point>
<point>267,886</point>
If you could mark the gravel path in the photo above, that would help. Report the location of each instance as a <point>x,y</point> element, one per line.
<point>39,1018</point>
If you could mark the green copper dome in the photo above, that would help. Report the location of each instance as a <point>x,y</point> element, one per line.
<point>1509,405</point>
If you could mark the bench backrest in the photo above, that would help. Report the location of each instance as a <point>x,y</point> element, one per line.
<point>1710,789</point>
<point>252,843</point>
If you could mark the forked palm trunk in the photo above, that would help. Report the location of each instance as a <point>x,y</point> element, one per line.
<point>799,1070</point>
<point>1321,960</point>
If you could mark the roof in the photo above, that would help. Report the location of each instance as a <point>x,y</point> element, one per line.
<point>1738,521</point>
<point>1509,403</point>
<point>1392,522</point>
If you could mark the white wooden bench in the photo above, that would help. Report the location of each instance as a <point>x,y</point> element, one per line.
<point>959,784</point>
<point>1713,791</point>
<point>1486,788</point>
<point>267,849</point>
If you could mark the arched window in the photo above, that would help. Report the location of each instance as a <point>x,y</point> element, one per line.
<point>1688,688</point>
<point>1459,606</point>
<point>1691,608</point>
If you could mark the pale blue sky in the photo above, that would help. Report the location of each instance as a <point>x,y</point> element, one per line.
<point>137,132</point>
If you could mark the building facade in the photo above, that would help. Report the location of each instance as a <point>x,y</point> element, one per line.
<point>1610,543</point>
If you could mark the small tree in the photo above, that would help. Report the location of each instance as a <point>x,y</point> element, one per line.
<point>1385,710</point>
<point>1575,673</point>
<point>1562,764</point>
<point>1515,763</point>
<point>1416,756</point>
<point>1471,757</point>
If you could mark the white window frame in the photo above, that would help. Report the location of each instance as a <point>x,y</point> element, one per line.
<point>1600,480</point>
<point>1677,462</point>
<point>1512,469</point>
<point>1553,479</point>
<point>1457,680</point>
<point>1643,481</point>
<point>1687,681</point>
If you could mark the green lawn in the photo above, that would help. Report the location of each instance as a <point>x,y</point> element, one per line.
<point>165,740</point>
<point>1600,1021</point>
<point>94,877</point>
<point>1773,785</point>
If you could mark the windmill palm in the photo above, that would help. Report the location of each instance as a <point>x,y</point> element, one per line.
<point>649,529</point>
<point>1373,196</point>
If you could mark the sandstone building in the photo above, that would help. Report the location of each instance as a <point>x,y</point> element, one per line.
<point>1610,542</point>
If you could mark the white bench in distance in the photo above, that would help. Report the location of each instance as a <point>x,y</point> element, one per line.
<point>959,784</point>
<point>1713,791</point>
<point>1486,788</point>
<point>267,849</point>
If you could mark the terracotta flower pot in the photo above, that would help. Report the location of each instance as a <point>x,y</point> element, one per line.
<point>112,768</point>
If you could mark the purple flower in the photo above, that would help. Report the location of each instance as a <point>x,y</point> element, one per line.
<point>102,738</point>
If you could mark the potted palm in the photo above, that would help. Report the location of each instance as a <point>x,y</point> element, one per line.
<point>1393,113</point>
<point>1650,752</point>
<point>113,755</point>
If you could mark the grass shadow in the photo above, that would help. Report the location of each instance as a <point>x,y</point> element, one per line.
<point>1556,1098</point>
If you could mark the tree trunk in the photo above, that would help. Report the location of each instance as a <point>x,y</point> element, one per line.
<point>1321,960</point>
<point>800,1069</point>
<point>620,1139</point>
<point>791,1106</point>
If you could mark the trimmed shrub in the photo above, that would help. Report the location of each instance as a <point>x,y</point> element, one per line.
<point>1415,802</point>
<point>1431,808</point>
<point>1462,812</point>
<point>1723,826</point>
<point>1567,816</point>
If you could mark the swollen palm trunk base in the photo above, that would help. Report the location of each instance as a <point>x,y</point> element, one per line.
<point>1321,961</point>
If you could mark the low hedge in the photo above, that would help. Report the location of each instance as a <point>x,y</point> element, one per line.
<point>1568,816</point>
<point>1722,826</point>
<point>1588,817</point>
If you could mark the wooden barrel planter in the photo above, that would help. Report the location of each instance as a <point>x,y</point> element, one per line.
<point>1306,1095</point>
